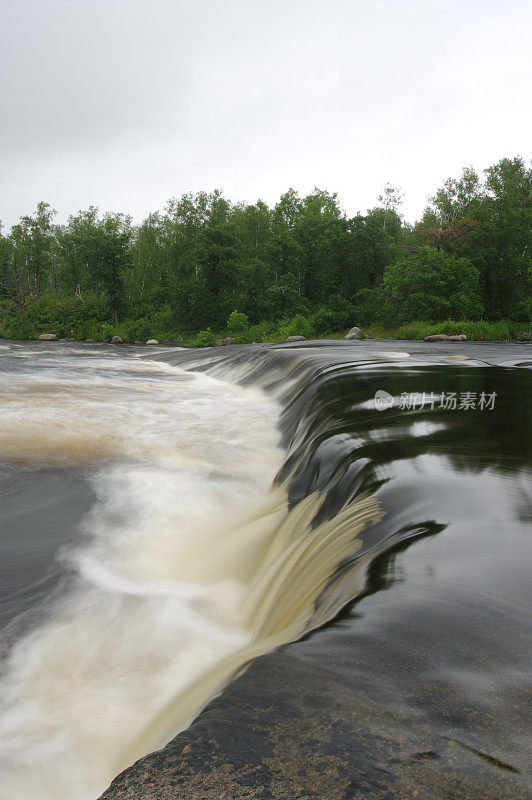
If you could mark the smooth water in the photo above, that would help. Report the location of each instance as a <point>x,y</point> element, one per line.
<point>146,555</point>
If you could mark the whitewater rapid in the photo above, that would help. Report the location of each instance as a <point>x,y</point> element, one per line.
<point>151,600</point>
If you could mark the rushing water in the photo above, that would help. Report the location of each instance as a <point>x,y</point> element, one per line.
<point>166,517</point>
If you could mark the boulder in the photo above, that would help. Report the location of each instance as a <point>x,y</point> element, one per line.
<point>117,340</point>
<point>296,338</point>
<point>152,341</point>
<point>437,337</point>
<point>48,337</point>
<point>355,333</point>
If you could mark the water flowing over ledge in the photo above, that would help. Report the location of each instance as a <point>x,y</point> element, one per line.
<point>365,712</point>
<point>355,486</point>
<point>184,539</point>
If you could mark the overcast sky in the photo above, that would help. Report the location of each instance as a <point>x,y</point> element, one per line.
<point>124,103</point>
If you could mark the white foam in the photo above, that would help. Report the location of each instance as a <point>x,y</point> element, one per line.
<point>189,567</point>
<point>174,458</point>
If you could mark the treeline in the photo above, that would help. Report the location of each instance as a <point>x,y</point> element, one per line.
<point>302,264</point>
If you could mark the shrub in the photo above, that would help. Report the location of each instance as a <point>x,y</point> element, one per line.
<point>343,312</point>
<point>237,322</point>
<point>13,329</point>
<point>205,338</point>
<point>298,326</point>
<point>63,314</point>
<point>336,316</point>
<point>261,332</point>
<point>369,307</point>
<point>105,332</point>
<point>139,329</point>
<point>323,321</point>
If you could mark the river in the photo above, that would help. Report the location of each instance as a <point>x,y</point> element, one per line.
<point>168,517</point>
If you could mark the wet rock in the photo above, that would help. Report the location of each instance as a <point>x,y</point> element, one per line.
<point>442,337</point>
<point>48,337</point>
<point>152,341</point>
<point>296,338</point>
<point>355,333</point>
<point>117,340</point>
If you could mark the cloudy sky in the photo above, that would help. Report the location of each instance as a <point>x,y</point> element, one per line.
<point>125,103</point>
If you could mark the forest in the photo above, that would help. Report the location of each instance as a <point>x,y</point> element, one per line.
<point>206,265</point>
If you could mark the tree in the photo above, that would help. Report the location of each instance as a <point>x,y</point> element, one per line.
<point>490,223</point>
<point>95,253</point>
<point>507,222</point>
<point>391,199</point>
<point>15,284</point>
<point>26,258</point>
<point>430,285</point>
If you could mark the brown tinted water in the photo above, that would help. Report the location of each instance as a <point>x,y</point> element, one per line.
<point>399,537</point>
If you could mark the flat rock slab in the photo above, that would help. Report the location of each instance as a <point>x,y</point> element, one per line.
<point>282,732</point>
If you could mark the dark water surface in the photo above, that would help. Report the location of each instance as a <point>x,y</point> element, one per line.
<point>415,683</point>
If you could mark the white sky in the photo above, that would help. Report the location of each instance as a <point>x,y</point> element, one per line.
<point>125,103</point>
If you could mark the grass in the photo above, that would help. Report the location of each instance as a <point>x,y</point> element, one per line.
<point>480,331</point>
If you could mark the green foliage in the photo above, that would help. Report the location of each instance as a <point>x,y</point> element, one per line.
<point>237,322</point>
<point>261,332</point>
<point>336,316</point>
<point>105,332</point>
<point>14,329</point>
<point>297,326</point>
<point>369,306</point>
<point>205,338</point>
<point>432,285</point>
<point>481,331</point>
<point>95,253</point>
<point>67,315</point>
<point>323,321</point>
<point>139,330</point>
<point>489,223</point>
<point>301,267</point>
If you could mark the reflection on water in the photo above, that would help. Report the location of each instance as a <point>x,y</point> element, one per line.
<point>401,534</point>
